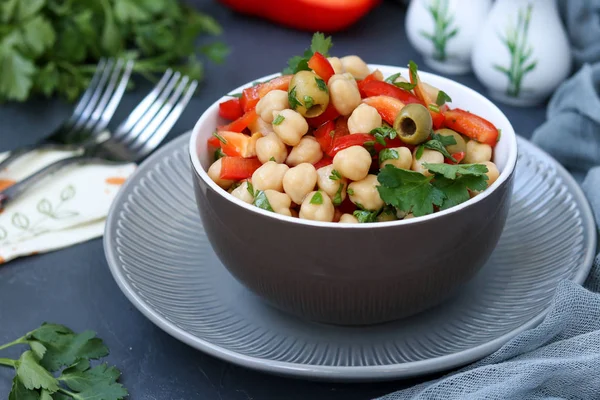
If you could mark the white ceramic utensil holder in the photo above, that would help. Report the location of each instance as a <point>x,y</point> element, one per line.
<point>522,53</point>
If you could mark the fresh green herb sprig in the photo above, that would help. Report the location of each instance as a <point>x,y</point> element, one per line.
<point>52,47</point>
<point>57,367</point>
<point>319,43</point>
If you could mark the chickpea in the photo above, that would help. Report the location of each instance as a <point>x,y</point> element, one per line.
<point>269,176</point>
<point>431,91</point>
<point>307,151</point>
<point>378,75</point>
<point>344,94</point>
<point>271,146</point>
<point>403,161</point>
<point>353,163</point>
<point>259,125</point>
<point>492,173</point>
<point>364,193</point>
<point>364,119</point>
<point>387,215</point>
<point>299,181</point>
<point>428,156</point>
<point>356,66</point>
<point>317,207</point>
<point>348,219</point>
<point>311,94</point>
<point>280,202</point>
<point>408,216</point>
<point>214,172</point>
<point>336,63</point>
<point>346,76</point>
<point>242,193</point>
<point>477,153</point>
<point>292,128</point>
<point>275,100</point>
<point>332,186</point>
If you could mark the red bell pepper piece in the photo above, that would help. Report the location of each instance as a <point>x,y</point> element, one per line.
<point>214,142</point>
<point>471,125</point>
<point>379,88</point>
<point>457,156</point>
<point>241,123</point>
<point>343,142</point>
<point>324,135</point>
<point>238,144</point>
<point>329,114</point>
<point>319,64</point>
<point>237,168</point>
<point>231,109</point>
<point>251,95</point>
<point>388,107</point>
<point>436,117</point>
<point>307,15</point>
<point>323,162</point>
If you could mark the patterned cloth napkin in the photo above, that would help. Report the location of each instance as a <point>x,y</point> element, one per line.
<point>560,358</point>
<point>67,208</point>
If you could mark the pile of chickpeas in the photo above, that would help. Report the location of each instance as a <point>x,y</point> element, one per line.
<point>288,150</point>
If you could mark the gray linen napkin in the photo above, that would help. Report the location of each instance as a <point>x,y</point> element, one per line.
<point>560,358</point>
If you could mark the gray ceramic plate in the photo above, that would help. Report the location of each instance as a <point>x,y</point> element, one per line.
<point>160,257</point>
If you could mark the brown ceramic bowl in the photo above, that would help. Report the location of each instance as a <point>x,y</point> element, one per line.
<point>356,274</point>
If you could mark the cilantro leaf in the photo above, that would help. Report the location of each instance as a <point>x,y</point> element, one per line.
<point>292,99</point>
<point>16,78</point>
<point>317,198</point>
<point>413,71</point>
<point>217,52</point>
<point>392,78</point>
<point>388,154</point>
<point>405,85</point>
<point>419,152</point>
<point>219,154</point>
<point>278,120</point>
<point>442,98</point>
<point>408,191</point>
<point>337,199</point>
<point>456,191</point>
<point>38,349</point>
<point>261,201</point>
<point>446,140</point>
<point>20,392</point>
<point>33,375</point>
<point>319,43</point>
<point>452,171</point>
<point>93,383</point>
<point>296,64</point>
<point>250,188</point>
<point>308,102</point>
<point>321,85</point>
<point>37,36</point>
<point>335,175</point>
<point>438,146</point>
<point>365,216</point>
<point>384,132</point>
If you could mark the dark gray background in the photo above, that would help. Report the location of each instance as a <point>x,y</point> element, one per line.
<point>74,287</point>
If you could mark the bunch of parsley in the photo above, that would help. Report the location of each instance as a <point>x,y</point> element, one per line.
<point>57,367</point>
<point>52,46</point>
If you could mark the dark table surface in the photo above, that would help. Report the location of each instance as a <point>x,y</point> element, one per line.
<point>74,286</point>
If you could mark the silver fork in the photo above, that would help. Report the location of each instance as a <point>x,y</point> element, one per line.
<point>136,137</point>
<point>93,111</point>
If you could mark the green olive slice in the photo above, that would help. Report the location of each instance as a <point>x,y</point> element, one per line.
<point>413,124</point>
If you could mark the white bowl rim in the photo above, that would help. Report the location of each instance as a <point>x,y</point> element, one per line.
<point>507,134</point>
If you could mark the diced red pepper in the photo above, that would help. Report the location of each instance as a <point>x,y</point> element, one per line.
<point>471,125</point>
<point>231,109</point>
<point>237,168</point>
<point>214,142</point>
<point>437,119</point>
<point>341,127</point>
<point>324,135</point>
<point>388,107</point>
<point>251,95</point>
<point>323,162</point>
<point>457,156</point>
<point>239,144</point>
<point>319,64</point>
<point>357,139</point>
<point>241,123</point>
<point>379,88</point>
<point>329,114</point>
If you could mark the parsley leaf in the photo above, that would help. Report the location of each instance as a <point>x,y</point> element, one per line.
<point>456,191</point>
<point>405,85</point>
<point>219,154</point>
<point>442,98</point>
<point>250,188</point>
<point>292,99</point>
<point>437,145</point>
<point>413,71</point>
<point>388,154</point>
<point>335,175</point>
<point>33,375</point>
<point>446,140</point>
<point>337,199</point>
<point>392,78</point>
<point>321,85</point>
<point>261,201</point>
<point>278,120</point>
<point>236,95</point>
<point>91,383</point>
<point>317,198</point>
<point>419,152</point>
<point>408,191</point>
<point>308,102</point>
<point>272,159</point>
<point>365,216</point>
<point>384,132</point>
<point>452,171</point>
<point>350,192</point>
<point>319,43</point>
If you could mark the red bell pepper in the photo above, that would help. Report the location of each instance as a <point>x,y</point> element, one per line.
<point>329,114</point>
<point>457,156</point>
<point>237,144</point>
<point>319,64</point>
<point>237,168</point>
<point>471,125</point>
<point>251,95</point>
<point>241,123</point>
<point>388,107</point>
<point>436,117</point>
<point>214,142</point>
<point>379,88</point>
<point>307,15</point>
<point>324,135</point>
<point>323,162</point>
<point>343,142</point>
<point>231,109</point>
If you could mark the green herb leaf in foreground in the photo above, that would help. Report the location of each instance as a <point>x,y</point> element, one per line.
<point>439,146</point>
<point>99,382</point>
<point>452,171</point>
<point>365,216</point>
<point>384,132</point>
<point>261,201</point>
<point>319,43</point>
<point>408,190</point>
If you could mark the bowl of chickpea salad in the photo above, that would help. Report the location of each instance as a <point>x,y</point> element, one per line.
<point>350,193</point>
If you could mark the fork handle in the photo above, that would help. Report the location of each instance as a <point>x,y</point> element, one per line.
<point>18,188</point>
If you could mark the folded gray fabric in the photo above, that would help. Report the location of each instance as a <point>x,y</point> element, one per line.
<point>582,21</point>
<point>559,359</point>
